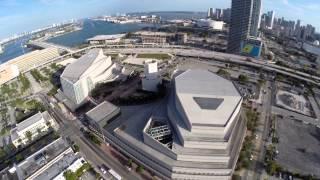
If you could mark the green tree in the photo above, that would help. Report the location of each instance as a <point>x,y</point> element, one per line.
<point>39,131</point>
<point>273,167</point>
<point>29,135</point>
<point>76,148</point>
<point>243,78</point>
<point>2,153</point>
<point>19,157</point>
<point>223,73</point>
<point>69,175</point>
<point>130,162</point>
<point>48,123</point>
<point>140,169</point>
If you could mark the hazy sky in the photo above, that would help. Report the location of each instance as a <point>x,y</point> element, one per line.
<point>24,15</point>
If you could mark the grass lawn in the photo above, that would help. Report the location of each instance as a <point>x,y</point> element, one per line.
<point>154,56</point>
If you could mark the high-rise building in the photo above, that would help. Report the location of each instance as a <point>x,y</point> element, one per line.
<point>245,20</point>
<point>255,17</point>
<point>226,15</point>
<point>210,13</point>
<point>297,28</point>
<point>218,14</point>
<point>270,19</point>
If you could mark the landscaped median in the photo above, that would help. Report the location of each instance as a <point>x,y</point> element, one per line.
<point>155,56</point>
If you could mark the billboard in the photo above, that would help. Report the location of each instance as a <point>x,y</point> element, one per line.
<point>252,50</point>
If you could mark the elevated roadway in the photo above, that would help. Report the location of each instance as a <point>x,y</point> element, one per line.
<point>44,45</point>
<point>228,58</point>
<point>186,51</point>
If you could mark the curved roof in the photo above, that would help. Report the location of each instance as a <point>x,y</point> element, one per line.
<point>74,71</point>
<point>207,99</point>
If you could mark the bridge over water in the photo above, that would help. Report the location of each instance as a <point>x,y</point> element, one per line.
<point>43,44</point>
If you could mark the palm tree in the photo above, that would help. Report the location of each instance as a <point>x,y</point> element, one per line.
<point>29,135</point>
<point>48,123</point>
<point>39,131</point>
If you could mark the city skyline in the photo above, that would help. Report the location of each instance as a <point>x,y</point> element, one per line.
<point>19,16</point>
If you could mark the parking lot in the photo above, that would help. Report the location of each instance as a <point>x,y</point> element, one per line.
<point>298,147</point>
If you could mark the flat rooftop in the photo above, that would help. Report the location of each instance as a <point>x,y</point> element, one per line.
<point>42,157</point>
<point>106,37</point>
<point>61,164</point>
<point>207,99</point>
<point>151,33</point>
<point>32,120</point>
<point>101,111</point>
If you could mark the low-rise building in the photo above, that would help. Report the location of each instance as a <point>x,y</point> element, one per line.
<point>151,78</point>
<point>101,115</point>
<point>37,163</point>
<point>81,76</point>
<point>106,39</point>
<point>211,24</point>
<point>31,128</point>
<point>8,72</point>
<point>149,37</point>
<point>34,58</point>
<point>50,162</point>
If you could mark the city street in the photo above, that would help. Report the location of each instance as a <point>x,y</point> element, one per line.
<point>262,130</point>
<point>92,152</point>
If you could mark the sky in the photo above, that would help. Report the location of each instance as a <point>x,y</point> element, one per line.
<point>18,16</point>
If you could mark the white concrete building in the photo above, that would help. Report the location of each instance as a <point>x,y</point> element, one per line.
<point>106,39</point>
<point>212,24</point>
<point>151,78</point>
<point>81,76</point>
<point>8,72</point>
<point>201,136</point>
<point>38,122</point>
<point>77,164</point>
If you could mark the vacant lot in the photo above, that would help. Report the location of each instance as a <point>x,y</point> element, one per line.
<point>299,146</point>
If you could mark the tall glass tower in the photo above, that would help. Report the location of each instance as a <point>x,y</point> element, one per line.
<point>245,22</point>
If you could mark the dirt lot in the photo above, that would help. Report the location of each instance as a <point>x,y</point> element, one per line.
<point>299,147</point>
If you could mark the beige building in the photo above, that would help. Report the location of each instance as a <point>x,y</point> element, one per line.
<point>8,72</point>
<point>34,58</point>
<point>148,37</point>
<point>38,122</point>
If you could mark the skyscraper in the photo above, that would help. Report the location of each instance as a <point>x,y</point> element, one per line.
<point>245,20</point>
<point>270,19</point>
<point>218,14</point>
<point>255,18</point>
<point>210,13</point>
<point>226,15</point>
<point>297,30</point>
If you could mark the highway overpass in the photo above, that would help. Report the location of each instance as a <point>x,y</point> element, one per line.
<point>197,53</point>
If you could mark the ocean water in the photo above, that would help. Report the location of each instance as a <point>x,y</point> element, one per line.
<point>89,29</point>
<point>14,49</point>
<point>92,28</point>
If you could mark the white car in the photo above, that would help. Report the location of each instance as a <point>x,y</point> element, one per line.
<point>251,157</point>
<point>103,170</point>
